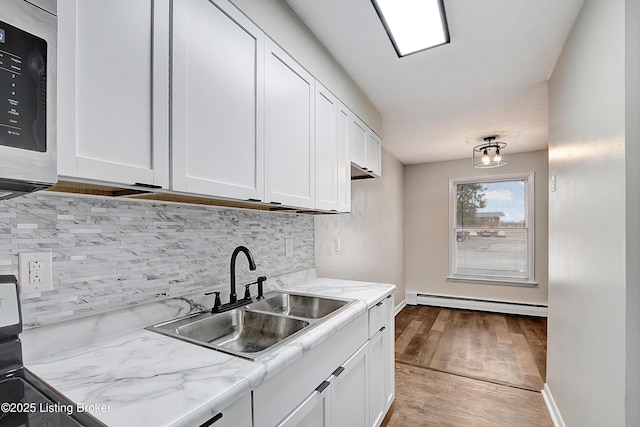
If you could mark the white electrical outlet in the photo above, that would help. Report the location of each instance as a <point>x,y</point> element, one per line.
<point>338,244</point>
<point>35,272</point>
<point>35,278</point>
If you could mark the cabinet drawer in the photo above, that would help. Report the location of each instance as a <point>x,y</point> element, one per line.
<point>236,415</point>
<point>379,315</point>
<point>281,394</point>
<point>315,410</point>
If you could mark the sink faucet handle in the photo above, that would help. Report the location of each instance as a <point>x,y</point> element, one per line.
<point>216,303</point>
<point>247,294</point>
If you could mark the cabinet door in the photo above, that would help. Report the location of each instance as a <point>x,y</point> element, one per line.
<point>218,60</point>
<point>314,411</point>
<point>377,399</point>
<point>389,364</point>
<point>382,363</point>
<point>357,141</point>
<point>350,391</point>
<point>113,90</point>
<point>373,153</point>
<point>326,142</point>
<point>344,164</point>
<point>289,148</point>
<point>236,415</point>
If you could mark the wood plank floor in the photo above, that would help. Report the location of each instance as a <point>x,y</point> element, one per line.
<point>467,368</point>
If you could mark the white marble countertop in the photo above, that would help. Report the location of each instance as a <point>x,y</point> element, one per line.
<point>147,379</point>
<point>369,293</point>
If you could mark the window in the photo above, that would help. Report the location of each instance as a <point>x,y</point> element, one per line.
<point>491,228</point>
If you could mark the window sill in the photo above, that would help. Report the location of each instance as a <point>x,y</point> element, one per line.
<point>504,282</point>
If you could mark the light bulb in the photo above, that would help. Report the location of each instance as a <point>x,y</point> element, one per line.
<point>485,157</point>
<point>497,158</point>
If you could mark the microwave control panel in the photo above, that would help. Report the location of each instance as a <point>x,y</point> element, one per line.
<point>23,89</point>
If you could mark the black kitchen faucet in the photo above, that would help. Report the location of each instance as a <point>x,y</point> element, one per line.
<point>232,269</point>
<point>233,297</point>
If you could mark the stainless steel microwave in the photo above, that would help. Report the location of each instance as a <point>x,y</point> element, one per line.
<point>28,40</point>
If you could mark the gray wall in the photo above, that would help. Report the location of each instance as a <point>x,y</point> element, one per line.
<point>590,222</point>
<point>110,253</point>
<point>427,237</point>
<point>371,235</point>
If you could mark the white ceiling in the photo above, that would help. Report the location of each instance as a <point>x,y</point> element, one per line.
<point>439,103</point>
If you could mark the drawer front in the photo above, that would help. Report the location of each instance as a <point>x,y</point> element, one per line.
<point>281,394</point>
<point>379,315</point>
<point>236,415</point>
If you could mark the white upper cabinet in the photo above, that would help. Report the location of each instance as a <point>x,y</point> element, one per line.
<point>357,141</point>
<point>373,154</point>
<point>112,109</point>
<point>365,147</point>
<point>289,131</point>
<point>191,96</point>
<point>326,142</point>
<point>217,109</point>
<point>344,164</point>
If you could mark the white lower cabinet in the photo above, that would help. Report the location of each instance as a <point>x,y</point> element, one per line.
<point>236,415</point>
<point>346,381</point>
<point>376,380</point>
<point>381,360</point>
<point>314,411</point>
<point>342,400</point>
<point>389,362</point>
<point>279,398</point>
<point>350,391</point>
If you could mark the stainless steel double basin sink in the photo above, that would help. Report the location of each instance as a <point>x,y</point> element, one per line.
<point>257,328</point>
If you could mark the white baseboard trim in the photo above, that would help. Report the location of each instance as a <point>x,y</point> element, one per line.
<point>399,307</point>
<point>554,412</point>
<point>411,298</point>
<point>476,304</point>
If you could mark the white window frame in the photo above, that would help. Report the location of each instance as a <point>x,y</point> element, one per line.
<point>529,195</point>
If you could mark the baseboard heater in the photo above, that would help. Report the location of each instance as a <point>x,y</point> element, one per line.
<point>539,310</point>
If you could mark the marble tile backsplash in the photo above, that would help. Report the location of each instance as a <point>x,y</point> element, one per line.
<point>110,254</point>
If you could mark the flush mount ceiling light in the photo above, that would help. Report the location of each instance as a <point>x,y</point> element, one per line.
<point>413,25</point>
<point>488,155</point>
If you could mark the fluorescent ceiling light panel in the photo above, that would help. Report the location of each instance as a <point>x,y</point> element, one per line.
<point>413,25</point>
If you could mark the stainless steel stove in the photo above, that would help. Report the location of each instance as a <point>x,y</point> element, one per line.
<point>25,399</point>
